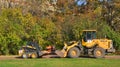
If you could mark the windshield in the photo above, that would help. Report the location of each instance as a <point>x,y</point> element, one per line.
<point>89,35</point>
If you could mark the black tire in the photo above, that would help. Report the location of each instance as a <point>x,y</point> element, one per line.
<point>34,55</point>
<point>74,52</point>
<point>99,52</point>
<point>25,56</point>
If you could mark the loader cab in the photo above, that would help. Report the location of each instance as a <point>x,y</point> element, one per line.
<point>34,45</point>
<point>88,35</point>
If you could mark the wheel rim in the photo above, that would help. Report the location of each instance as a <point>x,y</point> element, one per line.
<point>33,55</point>
<point>98,53</point>
<point>24,56</point>
<point>74,53</point>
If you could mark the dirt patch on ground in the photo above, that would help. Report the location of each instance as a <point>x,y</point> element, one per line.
<point>15,57</point>
<point>8,57</point>
<point>113,57</point>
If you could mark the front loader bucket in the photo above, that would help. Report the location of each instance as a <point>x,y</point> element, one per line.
<point>60,53</point>
<point>63,52</point>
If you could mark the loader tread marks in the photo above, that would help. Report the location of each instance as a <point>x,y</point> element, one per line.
<point>99,52</point>
<point>74,52</point>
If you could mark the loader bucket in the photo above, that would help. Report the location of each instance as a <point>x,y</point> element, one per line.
<point>60,53</point>
<point>63,52</point>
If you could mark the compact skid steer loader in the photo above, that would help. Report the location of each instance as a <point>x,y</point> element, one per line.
<point>31,50</point>
<point>89,45</point>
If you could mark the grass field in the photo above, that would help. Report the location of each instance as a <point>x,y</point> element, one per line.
<point>61,62</point>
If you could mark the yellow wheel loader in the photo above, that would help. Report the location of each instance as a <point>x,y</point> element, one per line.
<point>89,45</point>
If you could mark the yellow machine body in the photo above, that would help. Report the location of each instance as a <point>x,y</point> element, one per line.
<point>89,41</point>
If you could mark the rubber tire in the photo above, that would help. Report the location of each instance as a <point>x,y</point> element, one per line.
<point>101,50</point>
<point>25,56</point>
<point>77,52</point>
<point>36,56</point>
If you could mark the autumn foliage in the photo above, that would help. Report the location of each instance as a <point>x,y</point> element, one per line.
<point>56,23</point>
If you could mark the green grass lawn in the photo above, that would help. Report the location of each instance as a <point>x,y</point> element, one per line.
<point>61,62</point>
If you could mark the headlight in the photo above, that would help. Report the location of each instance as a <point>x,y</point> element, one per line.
<point>111,44</point>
